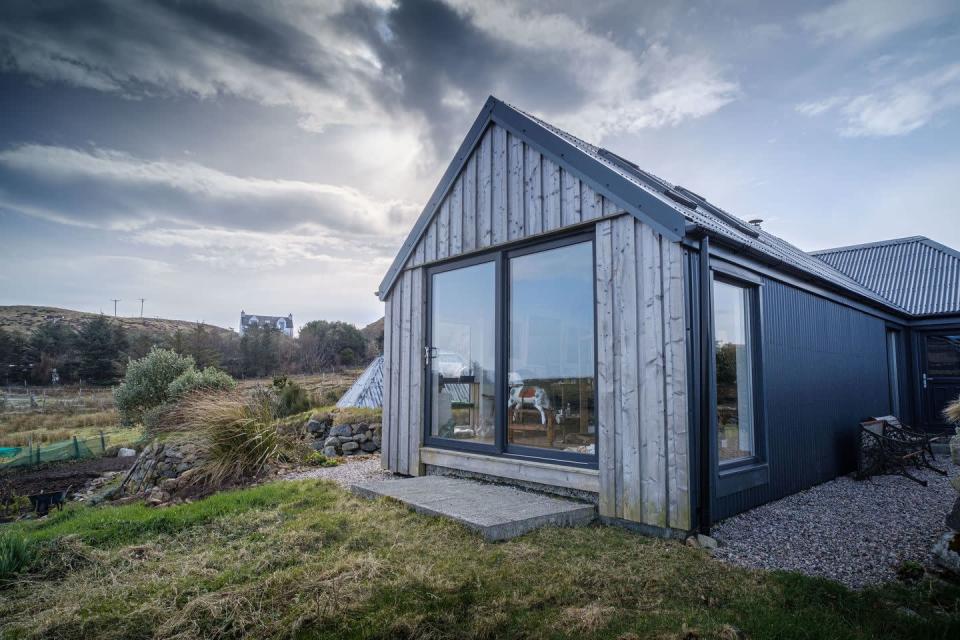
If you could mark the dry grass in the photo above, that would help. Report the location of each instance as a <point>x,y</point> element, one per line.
<point>241,432</point>
<point>952,412</point>
<point>308,560</point>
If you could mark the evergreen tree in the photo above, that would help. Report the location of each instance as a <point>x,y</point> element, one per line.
<point>51,346</point>
<point>100,349</point>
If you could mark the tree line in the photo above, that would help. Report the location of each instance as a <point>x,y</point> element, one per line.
<point>98,351</point>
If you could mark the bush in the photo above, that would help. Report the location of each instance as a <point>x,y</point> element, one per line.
<point>16,554</point>
<point>317,459</point>
<point>147,382</point>
<point>209,379</point>
<point>291,397</point>
<point>242,434</point>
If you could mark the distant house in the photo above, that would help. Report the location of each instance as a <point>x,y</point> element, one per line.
<point>561,318</point>
<point>282,324</point>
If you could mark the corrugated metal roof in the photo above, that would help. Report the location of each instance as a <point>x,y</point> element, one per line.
<point>367,391</point>
<point>714,223</point>
<point>917,273</point>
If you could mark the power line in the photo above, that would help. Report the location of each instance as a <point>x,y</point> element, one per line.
<point>141,306</point>
<point>115,301</point>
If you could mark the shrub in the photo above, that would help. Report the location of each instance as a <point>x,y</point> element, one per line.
<point>242,434</point>
<point>209,379</point>
<point>16,554</point>
<point>317,459</point>
<point>291,397</point>
<point>147,382</point>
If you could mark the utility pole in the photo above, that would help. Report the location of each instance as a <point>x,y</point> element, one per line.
<point>115,301</point>
<point>141,306</point>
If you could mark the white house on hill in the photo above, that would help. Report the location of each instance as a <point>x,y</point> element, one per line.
<point>282,324</point>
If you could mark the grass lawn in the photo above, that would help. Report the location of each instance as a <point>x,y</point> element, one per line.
<point>307,560</point>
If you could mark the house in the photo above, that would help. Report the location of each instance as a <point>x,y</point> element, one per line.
<point>562,319</point>
<point>283,324</point>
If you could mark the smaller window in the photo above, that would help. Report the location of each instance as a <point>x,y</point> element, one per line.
<point>734,371</point>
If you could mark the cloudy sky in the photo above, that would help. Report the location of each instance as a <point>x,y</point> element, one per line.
<point>213,156</point>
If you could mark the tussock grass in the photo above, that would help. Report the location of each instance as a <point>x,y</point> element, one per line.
<point>952,412</point>
<point>241,432</point>
<point>308,560</point>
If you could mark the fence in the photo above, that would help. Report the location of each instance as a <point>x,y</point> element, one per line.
<point>73,449</point>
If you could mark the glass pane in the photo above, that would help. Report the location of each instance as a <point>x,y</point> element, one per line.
<point>734,366</point>
<point>551,386</point>
<point>943,356</point>
<point>463,364</point>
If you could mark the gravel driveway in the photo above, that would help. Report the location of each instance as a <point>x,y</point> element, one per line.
<point>853,532</point>
<point>350,470</point>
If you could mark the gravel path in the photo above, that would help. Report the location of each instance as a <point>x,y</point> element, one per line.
<point>853,532</point>
<point>350,470</point>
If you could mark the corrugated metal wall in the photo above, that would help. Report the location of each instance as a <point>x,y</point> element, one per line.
<point>824,370</point>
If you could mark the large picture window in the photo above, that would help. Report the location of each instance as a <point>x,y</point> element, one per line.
<point>510,359</point>
<point>734,371</point>
<point>551,362</point>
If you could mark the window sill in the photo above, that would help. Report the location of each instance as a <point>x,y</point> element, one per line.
<point>742,477</point>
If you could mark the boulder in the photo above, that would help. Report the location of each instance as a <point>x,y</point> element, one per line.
<point>369,446</point>
<point>330,452</point>
<point>953,518</point>
<point>332,441</point>
<point>314,426</point>
<point>341,430</point>
<point>361,437</point>
<point>359,428</point>
<point>125,452</point>
<point>318,445</point>
<point>350,446</point>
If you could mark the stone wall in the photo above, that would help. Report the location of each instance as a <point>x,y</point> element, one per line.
<point>163,470</point>
<point>343,439</point>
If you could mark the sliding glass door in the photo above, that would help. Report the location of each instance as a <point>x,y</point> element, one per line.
<point>462,354</point>
<point>511,354</point>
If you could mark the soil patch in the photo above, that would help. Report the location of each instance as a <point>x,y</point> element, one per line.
<point>59,476</point>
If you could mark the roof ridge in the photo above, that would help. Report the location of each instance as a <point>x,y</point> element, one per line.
<point>870,245</point>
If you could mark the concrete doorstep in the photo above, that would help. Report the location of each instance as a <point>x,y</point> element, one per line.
<point>496,512</point>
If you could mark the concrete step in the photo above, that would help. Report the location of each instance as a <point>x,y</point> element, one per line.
<point>496,512</point>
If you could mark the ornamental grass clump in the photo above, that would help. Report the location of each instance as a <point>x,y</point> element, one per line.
<point>241,434</point>
<point>16,554</point>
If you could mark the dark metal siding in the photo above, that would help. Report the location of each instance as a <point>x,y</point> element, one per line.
<point>824,370</point>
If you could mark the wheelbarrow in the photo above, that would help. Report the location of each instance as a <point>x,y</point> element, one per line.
<point>41,502</point>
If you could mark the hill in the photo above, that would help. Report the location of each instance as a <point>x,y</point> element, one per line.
<point>373,332</point>
<point>25,318</point>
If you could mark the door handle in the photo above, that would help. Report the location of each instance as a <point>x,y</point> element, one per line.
<point>429,353</point>
<point>924,381</point>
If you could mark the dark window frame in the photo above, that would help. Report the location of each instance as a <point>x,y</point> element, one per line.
<point>744,473</point>
<point>501,256</point>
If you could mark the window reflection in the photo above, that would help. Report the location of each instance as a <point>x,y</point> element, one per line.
<point>734,372</point>
<point>550,400</point>
<point>462,362</point>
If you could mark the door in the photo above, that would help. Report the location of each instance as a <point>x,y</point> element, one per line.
<point>939,374</point>
<point>462,356</point>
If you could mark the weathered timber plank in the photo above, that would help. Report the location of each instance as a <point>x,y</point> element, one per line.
<point>485,189</point>
<point>533,189</point>
<point>415,431</point>
<point>499,221</point>
<point>551,195</point>
<point>470,204</point>
<point>653,444</point>
<point>570,206</point>
<point>515,182</point>
<point>606,393</point>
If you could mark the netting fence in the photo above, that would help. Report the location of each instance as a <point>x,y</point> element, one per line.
<point>73,449</point>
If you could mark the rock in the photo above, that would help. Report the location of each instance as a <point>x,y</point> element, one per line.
<point>361,437</point>
<point>946,557</point>
<point>350,446</point>
<point>369,446</point>
<point>359,428</point>
<point>332,441</point>
<point>314,426</point>
<point>953,518</point>
<point>330,452</point>
<point>318,445</point>
<point>124,452</point>
<point>342,430</point>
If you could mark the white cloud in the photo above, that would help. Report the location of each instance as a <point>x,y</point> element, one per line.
<point>151,51</point>
<point>625,91</point>
<point>872,20</point>
<point>895,108</point>
<point>111,189</point>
